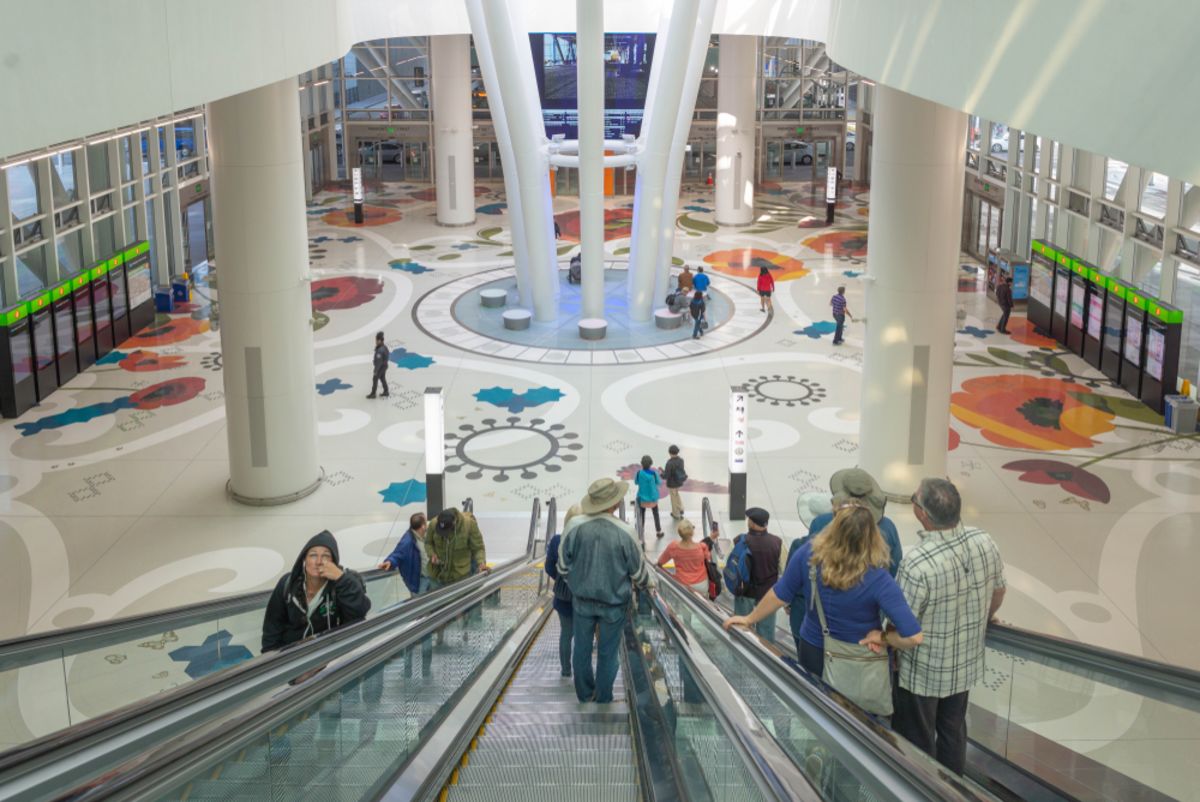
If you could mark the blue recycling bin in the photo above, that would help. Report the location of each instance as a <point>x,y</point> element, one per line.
<point>181,291</point>
<point>163,302</point>
<point>1181,414</point>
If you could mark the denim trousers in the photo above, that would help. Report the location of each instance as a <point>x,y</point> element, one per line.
<point>604,627</point>
<point>744,605</point>
<point>566,634</point>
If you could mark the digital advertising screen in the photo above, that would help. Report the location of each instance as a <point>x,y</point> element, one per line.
<point>1133,339</point>
<point>1156,346</point>
<point>64,327</point>
<point>1062,288</point>
<point>100,305</point>
<point>43,339</point>
<point>1095,325</point>
<point>20,347</point>
<point>1078,293</point>
<point>627,58</point>
<point>116,280</point>
<point>1041,278</point>
<point>140,290</point>
<point>1114,310</point>
<point>83,315</point>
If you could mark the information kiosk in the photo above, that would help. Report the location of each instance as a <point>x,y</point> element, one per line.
<point>1114,329</point>
<point>85,330</point>
<point>1093,349</point>
<point>1077,310</point>
<point>64,333</point>
<point>41,322</point>
<point>18,388</point>
<point>1135,335</point>
<point>1062,294</point>
<point>1041,286</point>
<point>118,293</point>
<point>1164,333</point>
<point>101,309</point>
<point>141,290</point>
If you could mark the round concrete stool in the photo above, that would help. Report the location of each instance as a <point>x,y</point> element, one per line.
<point>666,319</point>
<point>493,298</point>
<point>517,319</point>
<point>592,328</point>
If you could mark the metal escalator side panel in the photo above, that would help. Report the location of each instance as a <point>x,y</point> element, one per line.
<point>658,765</point>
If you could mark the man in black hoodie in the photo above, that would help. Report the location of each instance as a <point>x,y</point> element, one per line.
<point>317,596</point>
<point>379,364</point>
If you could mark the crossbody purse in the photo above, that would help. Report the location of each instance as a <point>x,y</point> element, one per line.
<point>854,671</point>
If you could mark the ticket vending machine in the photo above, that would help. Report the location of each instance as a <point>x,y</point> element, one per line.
<point>1133,351</point>
<point>18,387</point>
<point>1041,286</point>
<point>1093,347</point>
<point>1062,295</point>
<point>101,309</point>
<point>41,323</point>
<point>118,293</point>
<point>1114,329</point>
<point>1077,308</point>
<point>141,290</point>
<point>85,329</point>
<point>1164,334</point>
<point>63,314</point>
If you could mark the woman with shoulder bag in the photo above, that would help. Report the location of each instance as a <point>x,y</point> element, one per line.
<point>847,565</point>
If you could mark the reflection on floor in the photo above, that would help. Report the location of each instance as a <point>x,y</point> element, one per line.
<point>113,491</point>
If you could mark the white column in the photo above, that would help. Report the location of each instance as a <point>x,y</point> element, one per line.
<point>589,78</point>
<point>453,145</point>
<point>736,101</point>
<point>910,308</point>
<point>266,304</point>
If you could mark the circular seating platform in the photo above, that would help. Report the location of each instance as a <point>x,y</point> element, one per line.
<point>664,318</point>
<point>592,328</point>
<point>516,319</point>
<point>493,298</point>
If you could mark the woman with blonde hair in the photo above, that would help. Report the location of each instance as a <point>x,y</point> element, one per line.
<point>689,557</point>
<point>847,563</point>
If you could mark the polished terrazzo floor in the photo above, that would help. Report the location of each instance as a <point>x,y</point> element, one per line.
<point>111,509</point>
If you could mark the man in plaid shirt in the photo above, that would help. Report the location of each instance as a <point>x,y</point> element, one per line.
<point>954,582</point>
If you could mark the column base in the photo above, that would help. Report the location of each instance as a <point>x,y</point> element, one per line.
<point>733,225</point>
<point>457,225</point>
<point>273,501</point>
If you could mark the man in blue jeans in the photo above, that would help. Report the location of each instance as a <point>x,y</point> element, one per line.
<point>837,305</point>
<point>599,557</point>
<point>411,559</point>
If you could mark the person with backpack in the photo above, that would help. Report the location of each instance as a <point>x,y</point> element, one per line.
<point>674,475</point>
<point>562,595</point>
<point>753,569</point>
<point>766,286</point>
<point>697,309</point>
<point>648,485</point>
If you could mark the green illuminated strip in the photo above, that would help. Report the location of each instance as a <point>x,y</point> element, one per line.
<point>115,262</point>
<point>143,247</point>
<point>1131,297</point>
<point>1167,314</point>
<point>130,252</point>
<point>79,281</point>
<point>39,302</point>
<point>98,271</point>
<point>1097,277</point>
<point>14,314</point>
<point>1116,288</point>
<point>1079,267</point>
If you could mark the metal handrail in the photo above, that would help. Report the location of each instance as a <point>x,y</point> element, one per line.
<point>707,519</point>
<point>855,737</point>
<point>535,519</point>
<point>551,525</point>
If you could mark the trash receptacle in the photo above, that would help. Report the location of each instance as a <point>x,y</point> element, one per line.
<point>1181,414</point>
<point>163,302</point>
<point>181,293</point>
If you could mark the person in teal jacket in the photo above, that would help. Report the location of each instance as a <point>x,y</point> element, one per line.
<point>649,488</point>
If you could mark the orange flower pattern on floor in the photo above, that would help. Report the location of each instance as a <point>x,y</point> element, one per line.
<point>1030,412</point>
<point>842,244</point>
<point>618,224</point>
<point>746,262</point>
<point>175,330</point>
<point>372,216</point>
<point>1021,330</point>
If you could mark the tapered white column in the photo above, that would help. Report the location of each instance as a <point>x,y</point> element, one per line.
<point>266,300</point>
<point>736,101</point>
<point>912,247</point>
<point>589,78</point>
<point>453,144</point>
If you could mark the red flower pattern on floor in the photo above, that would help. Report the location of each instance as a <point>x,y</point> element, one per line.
<point>143,361</point>
<point>629,473</point>
<point>842,244</point>
<point>955,440</point>
<point>1021,330</point>
<point>1030,412</point>
<point>372,216</point>
<point>1071,478</point>
<point>618,223</point>
<point>175,330</point>
<point>344,292</point>
<point>168,393</point>
<point>746,262</point>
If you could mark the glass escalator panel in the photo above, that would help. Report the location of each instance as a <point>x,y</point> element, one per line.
<point>349,744</point>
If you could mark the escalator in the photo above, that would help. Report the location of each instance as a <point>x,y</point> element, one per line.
<point>1053,719</point>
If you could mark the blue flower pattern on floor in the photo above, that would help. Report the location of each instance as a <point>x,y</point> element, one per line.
<point>350,239</point>
<point>319,240</point>
<point>331,386</point>
<point>403,358</point>
<point>77,415</point>
<point>409,266</point>
<point>697,208</point>
<point>409,491</point>
<point>513,402</point>
<point>214,654</point>
<point>818,330</point>
<point>111,358</point>
<point>464,246</point>
<point>977,332</point>
<point>492,208</point>
<point>852,273</point>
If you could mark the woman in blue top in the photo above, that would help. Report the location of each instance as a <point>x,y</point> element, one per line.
<point>562,596</point>
<point>855,587</point>
<point>648,491</point>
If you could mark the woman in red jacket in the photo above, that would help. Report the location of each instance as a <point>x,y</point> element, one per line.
<point>766,286</point>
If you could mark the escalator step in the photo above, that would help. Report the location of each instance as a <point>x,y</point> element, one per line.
<point>560,728</point>
<point>543,793</point>
<point>508,716</point>
<point>514,755</point>
<point>531,740</point>
<point>556,776</point>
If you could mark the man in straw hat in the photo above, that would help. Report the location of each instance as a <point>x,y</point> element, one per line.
<point>599,556</point>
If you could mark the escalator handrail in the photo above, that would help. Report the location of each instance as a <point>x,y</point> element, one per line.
<point>535,520</point>
<point>551,524</point>
<point>777,775</point>
<point>294,660</point>
<point>200,743</point>
<point>56,643</point>
<point>1162,681</point>
<point>858,739</point>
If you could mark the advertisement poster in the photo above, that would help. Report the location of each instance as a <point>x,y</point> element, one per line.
<point>1095,316</point>
<point>139,286</point>
<point>1133,339</point>
<point>1020,287</point>
<point>1112,323</point>
<point>1061,288</point>
<point>1040,279</point>
<point>1078,291</point>
<point>1156,345</point>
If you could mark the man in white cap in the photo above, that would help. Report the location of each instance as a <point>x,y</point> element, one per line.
<point>599,556</point>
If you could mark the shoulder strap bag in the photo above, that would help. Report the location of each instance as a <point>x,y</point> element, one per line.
<point>853,670</point>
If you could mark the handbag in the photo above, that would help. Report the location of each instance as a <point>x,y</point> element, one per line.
<point>714,579</point>
<point>854,671</point>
